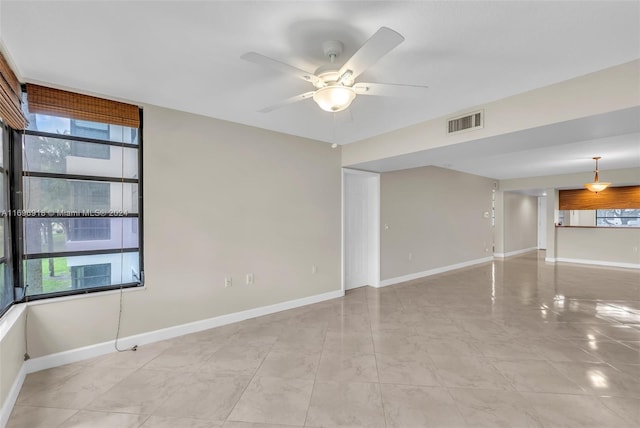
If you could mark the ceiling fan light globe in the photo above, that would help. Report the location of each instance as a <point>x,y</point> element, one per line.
<point>334,98</point>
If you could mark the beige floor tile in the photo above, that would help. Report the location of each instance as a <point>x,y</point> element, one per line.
<point>142,392</point>
<point>468,372</point>
<point>335,404</point>
<point>349,343</point>
<point>171,422</point>
<point>88,419</point>
<point>562,351</point>
<point>38,417</point>
<point>402,344</point>
<point>204,396</point>
<point>627,408</point>
<point>416,369</point>
<point>602,379</point>
<point>612,352</point>
<point>419,406</point>
<point>233,424</point>
<point>274,400</point>
<point>347,368</point>
<point>579,411</point>
<point>536,376</point>
<point>183,356</point>
<point>289,363</point>
<point>73,391</point>
<point>238,359</point>
<point>493,408</point>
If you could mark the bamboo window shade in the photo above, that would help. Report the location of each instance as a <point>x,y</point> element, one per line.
<point>625,197</point>
<point>10,97</point>
<point>57,102</point>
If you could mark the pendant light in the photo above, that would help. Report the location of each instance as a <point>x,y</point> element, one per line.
<point>597,185</point>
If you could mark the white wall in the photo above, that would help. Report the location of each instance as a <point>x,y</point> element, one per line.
<point>12,350</point>
<point>220,199</point>
<point>433,218</point>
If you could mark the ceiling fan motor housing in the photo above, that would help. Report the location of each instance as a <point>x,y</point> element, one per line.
<point>332,49</point>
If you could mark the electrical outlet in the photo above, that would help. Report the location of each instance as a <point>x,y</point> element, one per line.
<point>228,282</point>
<point>249,279</point>
<point>314,269</point>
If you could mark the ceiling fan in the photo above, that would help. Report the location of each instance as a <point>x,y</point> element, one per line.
<point>336,87</point>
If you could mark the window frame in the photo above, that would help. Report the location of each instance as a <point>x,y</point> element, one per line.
<point>7,260</point>
<point>17,174</point>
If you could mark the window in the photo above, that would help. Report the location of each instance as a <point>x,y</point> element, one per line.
<point>80,184</point>
<point>618,218</point>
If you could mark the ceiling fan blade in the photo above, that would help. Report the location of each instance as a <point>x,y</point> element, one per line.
<point>278,65</point>
<point>288,101</point>
<point>389,89</point>
<point>378,45</point>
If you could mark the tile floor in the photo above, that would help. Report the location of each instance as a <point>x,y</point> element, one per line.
<point>515,343</point>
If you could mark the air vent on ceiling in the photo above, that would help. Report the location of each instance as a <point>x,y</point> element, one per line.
<point>467,122</point>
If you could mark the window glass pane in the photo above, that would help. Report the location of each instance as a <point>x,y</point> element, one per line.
<point>90,275</point>
<point>54,235</point>
<point>1,146</point>
<point>3,244</point>
<point>63,196</point>
<point>59,274</point>
<point>2,193</point>
<point>60,156</point>
<point>83,128</point>
<point>618,218</point>
<point>6,289</point>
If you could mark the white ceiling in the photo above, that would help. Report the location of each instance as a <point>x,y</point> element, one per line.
<point>186,56</point>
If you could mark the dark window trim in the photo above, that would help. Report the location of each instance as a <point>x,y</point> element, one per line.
<point>78,177</point>
<point>81,139</point>
<point>111,251</point>
<point>140,200</point>
<point>79,214</point>
<point>81,291</point>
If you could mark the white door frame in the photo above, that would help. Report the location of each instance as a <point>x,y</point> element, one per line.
<point>374,261</point>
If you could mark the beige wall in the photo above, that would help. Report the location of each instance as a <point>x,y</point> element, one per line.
<point>605,244</point>
<point>220,199</point>
<point>11,350</point>
<point>519,222</point>
<point>435,214</point>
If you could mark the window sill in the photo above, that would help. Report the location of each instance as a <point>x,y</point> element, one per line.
<point>9,319</point>
<point>51,300</point>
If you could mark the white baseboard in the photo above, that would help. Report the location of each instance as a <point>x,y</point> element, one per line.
<point>418,275</point>
<point>598,263</point>
<point>514,253</point>
<point>79,354</point>
<point>10,401</point>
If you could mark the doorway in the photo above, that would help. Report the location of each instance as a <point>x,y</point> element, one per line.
<point>361,228</point>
